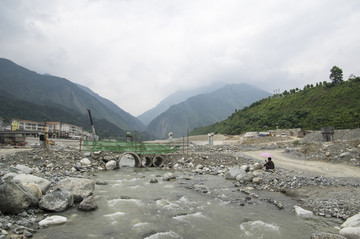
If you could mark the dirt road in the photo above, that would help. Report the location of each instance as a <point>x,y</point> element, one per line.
<point>283,160</point>
<point>7,151</point>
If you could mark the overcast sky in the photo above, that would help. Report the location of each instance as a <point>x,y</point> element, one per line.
<point>137,52</point>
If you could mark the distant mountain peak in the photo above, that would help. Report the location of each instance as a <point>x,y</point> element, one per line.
<point>204,109</point>
<point>176,98</point>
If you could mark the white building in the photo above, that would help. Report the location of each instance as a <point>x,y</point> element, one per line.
<point>70,130</point>
<point>54,129</point>
<point>27,125</point>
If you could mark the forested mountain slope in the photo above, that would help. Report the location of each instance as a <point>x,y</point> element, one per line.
<point>325,104</point>
<point>54,97</point>
<point>174,99</point>
<point>204,109</point>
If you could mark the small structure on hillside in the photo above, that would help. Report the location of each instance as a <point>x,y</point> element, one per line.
<point>327,133</point>
<point>251,134</point>
<point>170,137</point>
<point>264,134</point>
<point>302,133</point>
<point>211,140</point>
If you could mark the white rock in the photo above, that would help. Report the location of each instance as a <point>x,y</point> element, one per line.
<point>353,221</point>
<point>87,154</point>
<point>97,152</point>
<point>85,162</point>
<point>302,212</point>
<point>199,166</point>
<point>345,154</point>
<point>257,180</point>
<point>350,232</point>
<point>234,172</point>
<point>24,169</point>
<point>169,176</point>
<point>111,165</point>
<point>79,187</point>
<point>42,183</point>
<point>53,220</point>
<point>258,166</point>
<point>246,168</point>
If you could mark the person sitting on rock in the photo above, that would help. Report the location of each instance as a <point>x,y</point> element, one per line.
<point>269,164</point>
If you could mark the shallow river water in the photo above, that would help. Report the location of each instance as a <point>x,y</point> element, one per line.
<point>129,206</point>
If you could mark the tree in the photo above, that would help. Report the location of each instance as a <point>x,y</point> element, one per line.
<point>336,75</point>
<point>354,78</point>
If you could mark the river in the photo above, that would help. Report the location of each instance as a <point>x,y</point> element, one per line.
<point>129,206</point>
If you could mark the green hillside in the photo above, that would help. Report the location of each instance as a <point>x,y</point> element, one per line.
<point>46,90</point>
<point>25,94</point>
<point>326,104</point>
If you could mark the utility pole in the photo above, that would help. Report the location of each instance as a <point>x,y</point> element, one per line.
<point>92,126</point>
<point>45,142</point>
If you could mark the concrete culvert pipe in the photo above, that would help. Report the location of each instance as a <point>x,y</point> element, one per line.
<point>147,161</point>
<point>158,161</point>
<point>129,156</point>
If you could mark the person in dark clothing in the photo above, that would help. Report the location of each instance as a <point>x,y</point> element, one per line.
<point>269,164</point>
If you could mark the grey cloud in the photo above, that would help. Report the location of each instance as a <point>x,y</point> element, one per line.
<point>149,49</point>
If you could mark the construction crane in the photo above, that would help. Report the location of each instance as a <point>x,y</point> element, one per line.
<point>92,125</point>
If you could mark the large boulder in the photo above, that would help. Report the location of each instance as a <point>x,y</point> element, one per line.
<point>79,187</point>
<point>14,197</point>
<point>35,191</point>
<point>111,165</point>
<point>24,169</point>
<point>108,158</point>
<point>353,221</point>
<point>245,178</point>
<point>350,232</point>
<point>87,154</point>
<point>258,166</point>
<point>42,183</point>
<point>88,204</point>
<point>246,168</point>
<point>302,212</point>
<point>169,176</point>
<point>57,201</point>
<point>85,162</point>
<point>257,180</point>
<point>234,172</point>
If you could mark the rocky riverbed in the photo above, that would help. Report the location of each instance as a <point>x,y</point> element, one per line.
<point>335,198</point>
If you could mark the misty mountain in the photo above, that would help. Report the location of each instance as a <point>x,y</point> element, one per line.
<point>174,99</point>
<point>128,118</point>
<point>21,84</point>
<point>204,109</point>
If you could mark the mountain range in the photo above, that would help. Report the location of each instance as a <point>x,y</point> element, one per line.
<point>204,109</point>
<point>174,99</point>
<point>26,94</point>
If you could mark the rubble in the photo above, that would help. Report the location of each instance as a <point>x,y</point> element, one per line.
<point>323,196</point>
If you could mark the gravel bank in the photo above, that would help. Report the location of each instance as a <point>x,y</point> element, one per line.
<point>335,198</point>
